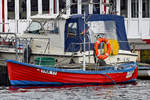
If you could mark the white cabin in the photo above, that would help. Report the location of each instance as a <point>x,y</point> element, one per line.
<point>15,14</point>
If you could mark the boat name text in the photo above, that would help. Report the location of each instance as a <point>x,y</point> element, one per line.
<point>48,72</point>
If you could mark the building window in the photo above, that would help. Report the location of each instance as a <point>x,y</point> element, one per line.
<point>96,6</point>
<point>85,6</point>
<point>145,8</point>
<point>112,8</point>
<point>73,6</point>
<point>34,7</point>
<point>124,8</point>
<point>134,8</point>
<point>22,9</point>
<point>45,6</point>
<point>62,6</point>
<point>55,6</point>
<point>11,9</point>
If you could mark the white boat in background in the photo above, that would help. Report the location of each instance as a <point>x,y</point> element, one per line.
<point>143,71</point>
<point>62,37</point>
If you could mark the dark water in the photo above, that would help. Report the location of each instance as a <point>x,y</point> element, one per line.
<point>138,91</point>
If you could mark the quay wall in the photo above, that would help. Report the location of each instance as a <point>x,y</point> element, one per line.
<point>4,80</point>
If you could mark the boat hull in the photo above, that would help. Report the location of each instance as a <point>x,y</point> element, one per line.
<point>27,74</point>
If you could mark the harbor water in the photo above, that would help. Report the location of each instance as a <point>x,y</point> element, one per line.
<point>137,91</point>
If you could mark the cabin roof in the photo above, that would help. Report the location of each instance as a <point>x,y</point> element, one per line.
<point>90,17</point>
<point>48,16</point>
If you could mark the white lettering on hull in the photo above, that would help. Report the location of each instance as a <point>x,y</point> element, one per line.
<point>47,71</point>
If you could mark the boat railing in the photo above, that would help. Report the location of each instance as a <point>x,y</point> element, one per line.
<point>9,42</point>
<point>26,45</point>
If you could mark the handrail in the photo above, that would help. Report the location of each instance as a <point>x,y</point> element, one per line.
<point>16,42</point>
<point>8,33</point>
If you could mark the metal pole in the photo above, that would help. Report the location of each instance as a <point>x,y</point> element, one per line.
<point>89,53</point>
<point>84,66</point>
<point>16,48</point>
<point>17,26</point>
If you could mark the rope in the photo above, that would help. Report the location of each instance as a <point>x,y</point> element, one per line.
<point>110,79</point>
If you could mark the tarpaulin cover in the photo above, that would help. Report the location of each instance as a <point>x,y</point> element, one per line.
<point>82,27</point>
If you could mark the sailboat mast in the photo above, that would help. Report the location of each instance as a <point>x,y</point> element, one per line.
<point>84,65</point>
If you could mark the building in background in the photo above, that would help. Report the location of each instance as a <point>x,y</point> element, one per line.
<point>16,13</point>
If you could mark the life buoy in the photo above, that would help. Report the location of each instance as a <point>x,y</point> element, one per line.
<point>107,53</point>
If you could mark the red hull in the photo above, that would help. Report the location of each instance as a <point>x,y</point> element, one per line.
<point>24,73</point>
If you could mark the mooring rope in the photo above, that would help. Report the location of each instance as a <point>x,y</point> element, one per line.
<point>110,79</point>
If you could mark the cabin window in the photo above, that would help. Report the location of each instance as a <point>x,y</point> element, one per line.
<point>34,7</point>
<point>96,6</point>
<point>72,30</point>
<point>45,6</point>
<point>34,28</point>
<point>11,9</point>
<point>51,27</point>
<point>134,8</point>
<point>146,8</point>
<point>105,29</point>
<point>62,6</point>
<point>124,8</point>
<point>85,6</point>
<point>74,6</point>
<point>22,9</point>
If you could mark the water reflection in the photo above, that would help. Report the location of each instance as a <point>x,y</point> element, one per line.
<point>139,91</point>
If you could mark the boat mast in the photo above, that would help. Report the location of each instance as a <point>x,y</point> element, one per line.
<point>84,65</point>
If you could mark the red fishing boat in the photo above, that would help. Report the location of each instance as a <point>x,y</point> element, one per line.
<point>28,74</point>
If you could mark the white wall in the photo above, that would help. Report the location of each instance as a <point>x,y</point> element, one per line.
<point>145,28</point>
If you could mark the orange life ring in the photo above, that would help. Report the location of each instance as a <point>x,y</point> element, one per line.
<point>107,53</point>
